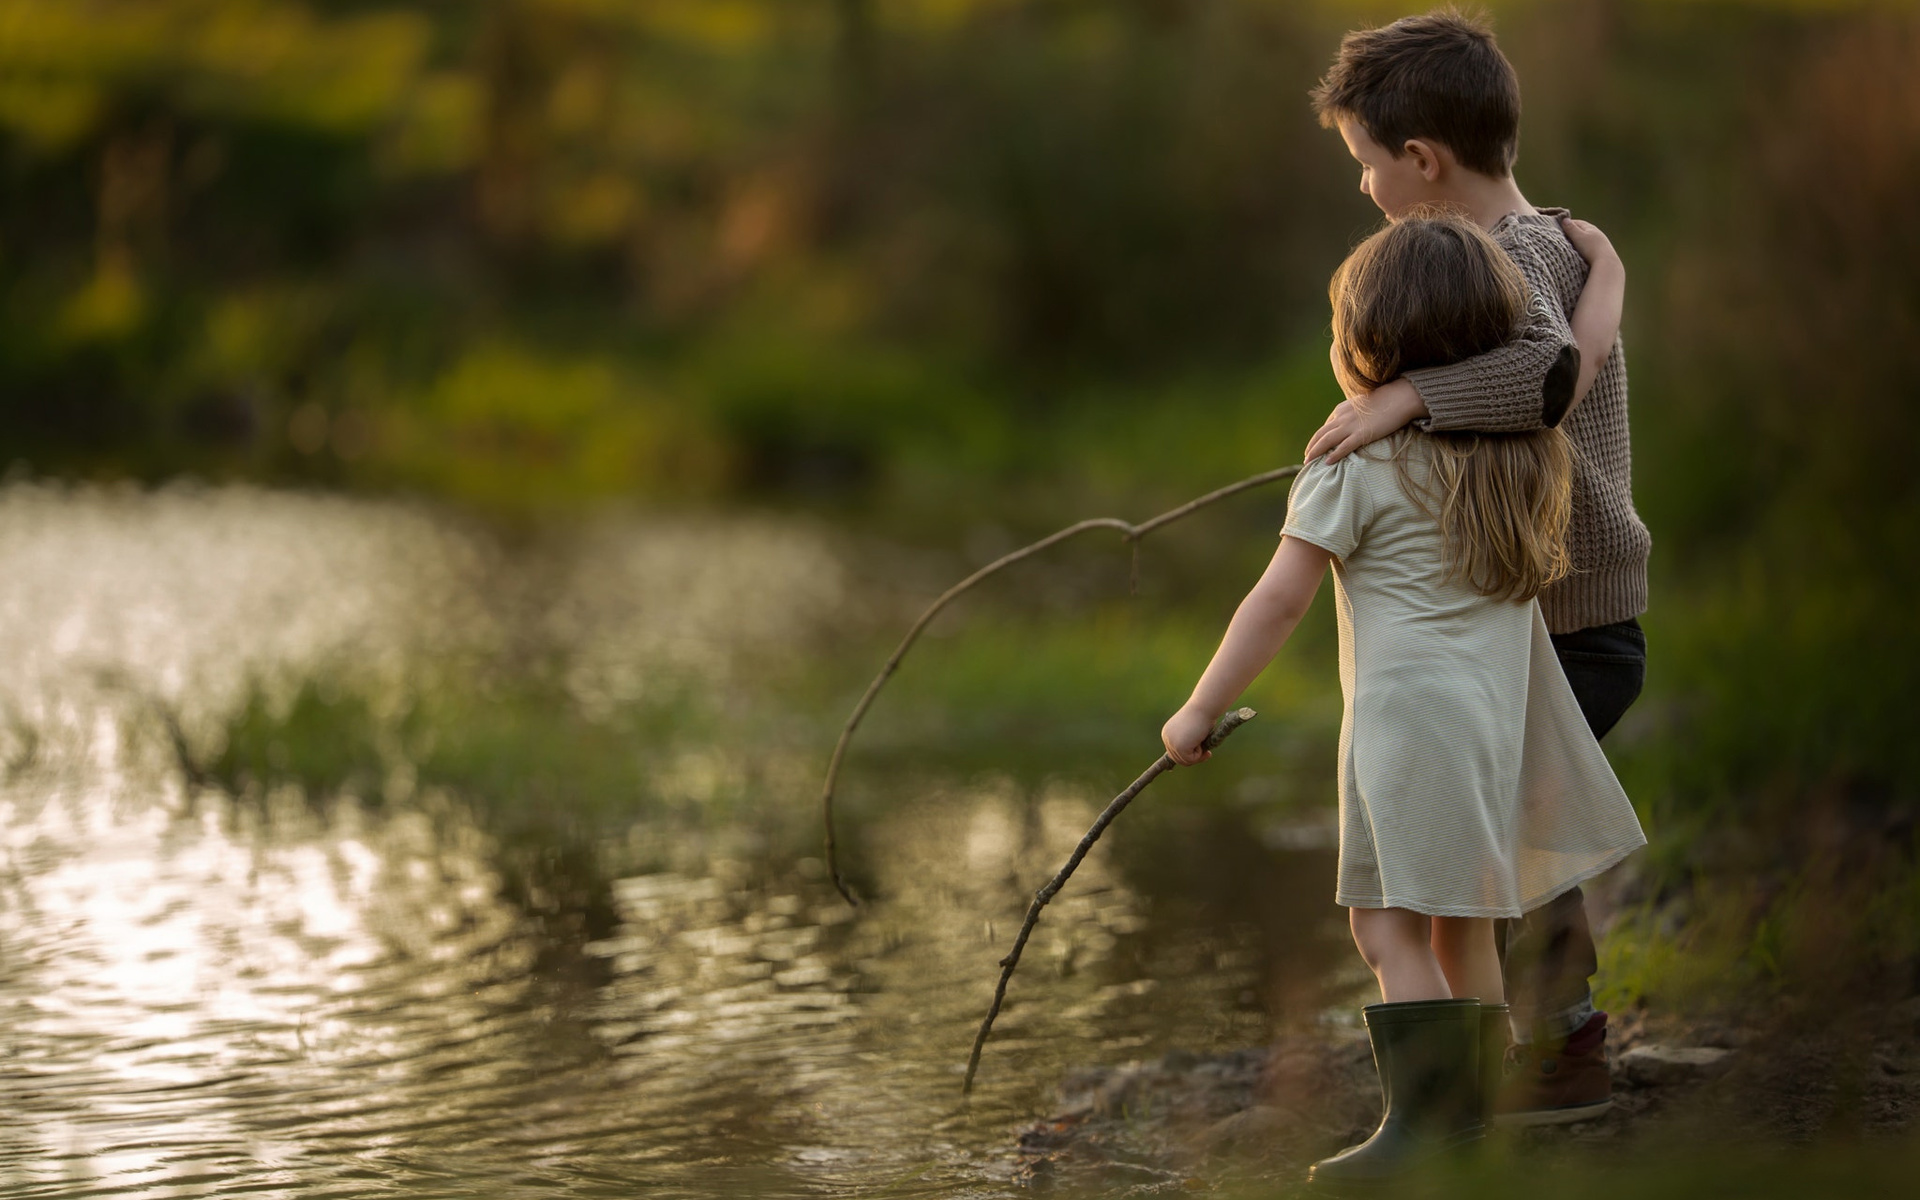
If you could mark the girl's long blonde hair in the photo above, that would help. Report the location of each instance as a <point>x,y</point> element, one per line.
<point>1429,289</point>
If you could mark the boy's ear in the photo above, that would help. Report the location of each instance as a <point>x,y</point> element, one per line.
<point>1425,156</point>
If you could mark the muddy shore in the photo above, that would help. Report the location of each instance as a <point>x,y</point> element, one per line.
<point>1185,1123</point>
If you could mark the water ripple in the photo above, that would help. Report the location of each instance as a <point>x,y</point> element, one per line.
<point>291,995</point>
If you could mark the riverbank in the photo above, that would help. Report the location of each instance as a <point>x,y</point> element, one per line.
<point>1825,1055</point>
<point>1185,1123</point>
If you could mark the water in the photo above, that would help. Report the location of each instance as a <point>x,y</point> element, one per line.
<point>219,988</point>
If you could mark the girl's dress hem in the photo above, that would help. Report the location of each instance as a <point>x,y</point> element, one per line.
<point>1494,911</point>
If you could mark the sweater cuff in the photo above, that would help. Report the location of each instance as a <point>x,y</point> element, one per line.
<point>1456,400</point>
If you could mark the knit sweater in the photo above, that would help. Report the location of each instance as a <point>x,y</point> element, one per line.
<point>1527,384</point>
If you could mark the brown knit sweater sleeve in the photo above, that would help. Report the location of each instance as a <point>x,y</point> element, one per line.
<point>1527,383</point>
<point>1606,539</point>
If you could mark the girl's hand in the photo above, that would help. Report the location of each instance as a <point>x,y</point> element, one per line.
<point>1184,732</point>
<point>1587,239</point>
<point>1365,419</point>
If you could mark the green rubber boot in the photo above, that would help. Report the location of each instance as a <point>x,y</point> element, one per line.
<point>1495,1036</point>
<point>1428,1056</point>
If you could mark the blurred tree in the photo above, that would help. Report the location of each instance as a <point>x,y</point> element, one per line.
<point>531,252</point>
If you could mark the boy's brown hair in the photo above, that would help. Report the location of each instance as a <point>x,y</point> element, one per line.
<point>1439,77</point>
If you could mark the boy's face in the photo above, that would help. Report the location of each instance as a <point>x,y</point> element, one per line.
<point>1395,184</point>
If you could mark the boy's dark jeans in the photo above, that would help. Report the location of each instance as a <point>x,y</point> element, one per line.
<point>1548,955</point>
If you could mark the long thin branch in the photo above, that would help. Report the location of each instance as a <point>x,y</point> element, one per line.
<point>1128,532</point>
<point>1227,725</point>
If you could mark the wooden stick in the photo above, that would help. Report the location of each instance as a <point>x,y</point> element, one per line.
<point>1128,531</point>
<point>1227,725</point>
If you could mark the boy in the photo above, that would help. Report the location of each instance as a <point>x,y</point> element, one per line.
<point>1430,108</point>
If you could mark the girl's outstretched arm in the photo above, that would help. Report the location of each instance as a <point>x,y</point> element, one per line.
<point>1261,625</point>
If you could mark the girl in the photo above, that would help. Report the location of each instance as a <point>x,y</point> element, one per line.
<point>1470,786</point>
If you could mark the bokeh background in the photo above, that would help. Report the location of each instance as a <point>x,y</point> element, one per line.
<point>518,429</point>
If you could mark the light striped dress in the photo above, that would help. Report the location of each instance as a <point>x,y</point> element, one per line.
<point>1470,785</point>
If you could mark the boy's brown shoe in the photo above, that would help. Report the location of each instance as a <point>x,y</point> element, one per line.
<point>1549,1085</point>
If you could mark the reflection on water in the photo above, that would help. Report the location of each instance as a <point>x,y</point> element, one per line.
<point>704,599</point>
<point>185,596</point>
<point>206,994</point>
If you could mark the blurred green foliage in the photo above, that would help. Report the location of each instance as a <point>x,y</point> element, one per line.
<point>536,252</point>
<point>940,262</point>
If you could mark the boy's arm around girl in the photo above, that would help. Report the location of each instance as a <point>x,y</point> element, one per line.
<point>1531,382</point>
